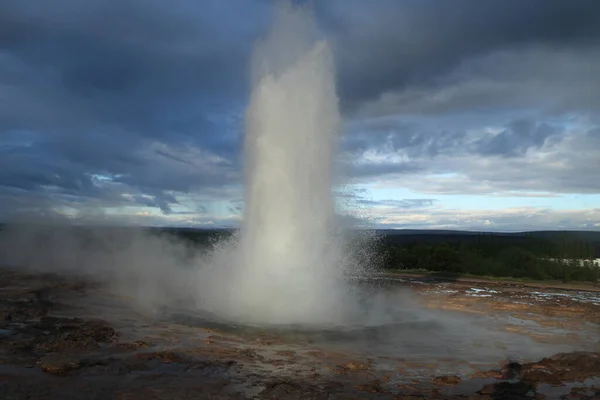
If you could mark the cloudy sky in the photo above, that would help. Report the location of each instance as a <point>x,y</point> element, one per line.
<point>462,114</point>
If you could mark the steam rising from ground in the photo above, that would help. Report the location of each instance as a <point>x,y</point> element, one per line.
<point>290,261</point>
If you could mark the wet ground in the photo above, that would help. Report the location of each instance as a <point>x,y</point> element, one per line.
<point>63,339</point>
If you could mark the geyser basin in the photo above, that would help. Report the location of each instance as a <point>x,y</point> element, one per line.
<point>409,331</point>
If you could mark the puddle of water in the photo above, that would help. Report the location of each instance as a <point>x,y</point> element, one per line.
<point>583,297</point>
<point>557,391</point>
<point>466,387</point>
<point>422,335</point>
<point>509,319</point>
<point>482,290</point>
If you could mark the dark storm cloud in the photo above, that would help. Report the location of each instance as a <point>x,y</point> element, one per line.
<point>516,138</point>
<point>133,102</point>
<point>521,157</point>
<point>418,144</point>
<point>546,78</point>
<point>567,164</point>
<point>388,44</point>
<point>393,135</point>
<point>93,84</point>
<point>140,66</point>
<point>374,169</point>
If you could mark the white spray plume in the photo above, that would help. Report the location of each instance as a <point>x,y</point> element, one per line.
<point>289,264</point>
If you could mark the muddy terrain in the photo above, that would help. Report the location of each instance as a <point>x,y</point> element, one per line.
<point>65,339</point>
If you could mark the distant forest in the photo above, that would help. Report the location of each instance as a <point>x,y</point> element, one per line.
<point>565,256</point>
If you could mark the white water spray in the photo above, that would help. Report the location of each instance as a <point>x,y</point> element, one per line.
<point>289,264</point>
<point>292,128</point>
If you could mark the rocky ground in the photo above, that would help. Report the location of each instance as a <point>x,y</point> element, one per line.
<point>63,339</point>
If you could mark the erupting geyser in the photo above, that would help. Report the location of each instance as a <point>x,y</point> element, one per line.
<point>292,126</point>
<point>290,263</point>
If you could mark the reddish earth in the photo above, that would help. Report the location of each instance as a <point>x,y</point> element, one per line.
<point>63,339</point>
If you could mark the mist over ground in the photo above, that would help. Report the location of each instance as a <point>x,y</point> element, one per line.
<point>153,268</point>
<point>145,266</point>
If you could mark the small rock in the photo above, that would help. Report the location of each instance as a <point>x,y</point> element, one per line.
<point>446,380</point>
<point>59,364</point>
<point>138,344</point>
<point>291,391</point>
<point>562,367</point>
<point>372,387</point>
<point>486,374</point>
<point>487,389</point>
<point>355,366</point>
<point>507,390</point>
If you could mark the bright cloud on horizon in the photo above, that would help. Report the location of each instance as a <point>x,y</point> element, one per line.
<point>457,115</point>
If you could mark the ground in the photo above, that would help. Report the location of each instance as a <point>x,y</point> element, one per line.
<point>65,339</point>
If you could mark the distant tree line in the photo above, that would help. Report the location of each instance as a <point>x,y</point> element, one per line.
<point>563,257</point>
